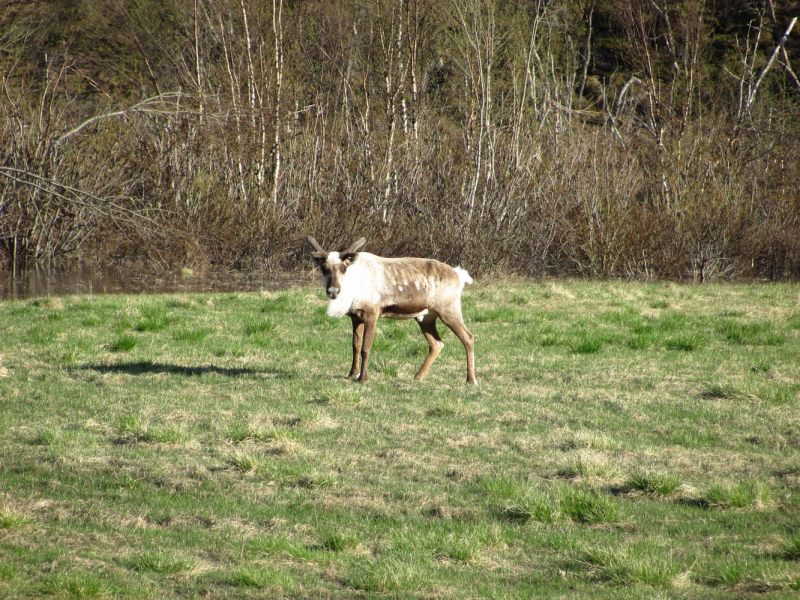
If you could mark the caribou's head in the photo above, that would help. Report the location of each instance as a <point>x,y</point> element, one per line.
<point>333,265</point>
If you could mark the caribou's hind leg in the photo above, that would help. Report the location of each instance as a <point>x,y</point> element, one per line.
<point>455,322</point>
<point>428,326</point>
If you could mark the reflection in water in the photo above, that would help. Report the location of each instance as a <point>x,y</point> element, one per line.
<point>32,283</point>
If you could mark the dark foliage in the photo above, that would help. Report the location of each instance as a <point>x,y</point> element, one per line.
<point>640,139</point>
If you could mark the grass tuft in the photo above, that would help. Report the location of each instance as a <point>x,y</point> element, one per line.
<point>521,502</point>
<point>283,547</point>
<point>587,464</point>
<point>337,541</point>
<point>686,342</point>
<point>42,335</point>
<point>159,562</point>
<point>790,550</point>
<point>778,393</point>
<point>76,585</point>
<point>721,391</point>
<point>245,462</point>
<point>533,506</point>
<point>131,429</point>
<point>752,333</point>
<point>654,483</point>
<point>10,519</point>
<point>586,346</point>
<point>735,571</point>
<point>642,341</point>
<point>170,434</point>
<point>750,494</point>
<point>587,439</point>
<point>259,326</point>
<point>256,578</point>
<point>154,318</point>
<point>457,547</point>
<point>191,335</point>
<point>643,564</point>
<point>589,506</point>
<point>124,343</point>
<point>441,411</point>
<point>45,437</point>
<point>387,575</point>
<point>548,340</point>
<point>8,572</point>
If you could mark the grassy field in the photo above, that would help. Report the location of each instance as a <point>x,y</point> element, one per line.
<point>625,441</point>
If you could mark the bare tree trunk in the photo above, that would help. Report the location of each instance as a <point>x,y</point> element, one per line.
<point>413,42</point>
<point>476,20</point>
<point>235,87</point>
<point>754,88</point>
<point>197,61</point>
<point>392,34</point>
<point>588,13</point>
<point>255,99</point>
<point>277,30</point>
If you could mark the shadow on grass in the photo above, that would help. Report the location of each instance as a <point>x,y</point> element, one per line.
<point>145,367</point>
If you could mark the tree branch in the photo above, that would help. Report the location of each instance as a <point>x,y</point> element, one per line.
<point>751,96</point>
<point>95,203</point>
<point>121,113</point>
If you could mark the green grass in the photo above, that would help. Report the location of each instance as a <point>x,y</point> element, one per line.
<point>75,585</point>
<point>791,548</point>
<point>748,494</point>
<point>625,441</point>
<point>13,520</point>
<point>158,562</point>
<point>124,343</point>
<point>654,483</point>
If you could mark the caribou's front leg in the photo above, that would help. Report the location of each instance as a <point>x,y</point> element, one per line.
<point>358,337</point>
<point>370,321</point>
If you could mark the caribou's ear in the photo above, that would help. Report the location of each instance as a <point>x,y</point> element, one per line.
<point>348,258</point>
<point>356,246</point>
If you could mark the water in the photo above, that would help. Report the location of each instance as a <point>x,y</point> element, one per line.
<point>34,283</point>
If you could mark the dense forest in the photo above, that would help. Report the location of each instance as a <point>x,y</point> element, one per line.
<point>646,139</point>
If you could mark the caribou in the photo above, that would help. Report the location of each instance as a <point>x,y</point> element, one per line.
<point>366,287</point>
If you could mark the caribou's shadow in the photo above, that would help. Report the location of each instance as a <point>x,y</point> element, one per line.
<point>145,367</point>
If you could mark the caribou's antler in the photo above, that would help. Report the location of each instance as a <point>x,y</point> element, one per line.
<point>314,244</point>
<point>356,246</point>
